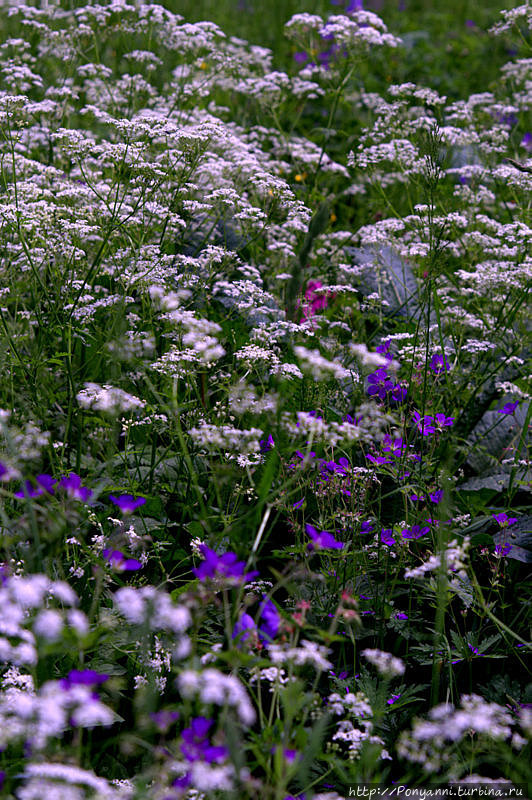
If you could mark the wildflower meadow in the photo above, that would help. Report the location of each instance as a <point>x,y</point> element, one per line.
<point>265,358</point>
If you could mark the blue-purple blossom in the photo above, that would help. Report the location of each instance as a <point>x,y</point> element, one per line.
<point>28,490</point>
<point>442,421</point>
<point>366,527</point>
<point>224,566</point>
<point>288,754</point>
<point>83,677</point>
<point>163,719</point>
<point>503,519</point>
<point>439,364</point>
<point>508,408</point>
<point>196,745</point>
<point>378,460</point>
<point>244,628</point>
<point>424,424</point>
<point>72,485</point>
<point>127,503</point>
<point>270,620</point>
<point>427,425</point>
<point>384,349</point>
<point>379,383</point>
<point>437,496</point>
<point>526,142</point>
<point>120,562</point>
<point>503,549</point>
<point>393,699</point>
<point>386,536</point>
<point>265,445</point>
<point>322,540</point>
<point>395,447</point>
<point>399,393</point>
<point>45,483</point>
<point>415,532</point>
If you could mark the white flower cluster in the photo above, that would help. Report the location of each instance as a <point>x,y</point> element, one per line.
<point>453,559</point>
<point>388,665</point>
<point>40,716</point>
<point>307,653</point>
<point>429,742</point>
<point>148,605</point>
<point>66,782</point>
<point>108,398</point>
<point>321,368</point>
<point>19,597</point>
<point>213,687</point>
<point>213,438</point>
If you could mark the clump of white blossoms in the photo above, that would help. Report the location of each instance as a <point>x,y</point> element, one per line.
<point>453,560</point>
<point>213,687</point>
<point>388,665</point>
<point>320,367</point>
<point>430,741</point>
<point>108,398</point>
<point>213,438</point>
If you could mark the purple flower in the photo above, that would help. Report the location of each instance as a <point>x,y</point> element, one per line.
<point>378,460</point>
<point>299,503</point>
<point>384,349</point>
<point>394,446</point>
<point>271,621</point>
<point>401,616</point>
<point>288,754</point>
<point>437,496</point>
<point>415,532</point>
<point>28,490</point>
<point>526,142</point>
<point>399,393</point>
<point>439,364</point>
<point>120,562</point>
<point>266,444</point>
<point>393,699</point>
<point>508,408</point>
<point>442,421</point>
<point>127,503</point>
<point>244,628</point>
<point>300,57</point>
<point>83,677</point>
<point>45,483</point>
<point>224,566</point>
<point>503,549</point>
<point>424,424</point>
<point>196,745</point>
<point>366,527</point>
<point>380,383</point>
<point>164,719</point>
<point>386,536</point>
<point>322,540</point>
<point>503,519</point>
<point>352,420</point>
<point>72,485</point>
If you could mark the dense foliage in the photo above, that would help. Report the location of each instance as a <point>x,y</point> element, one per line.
<point>264,411</point>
